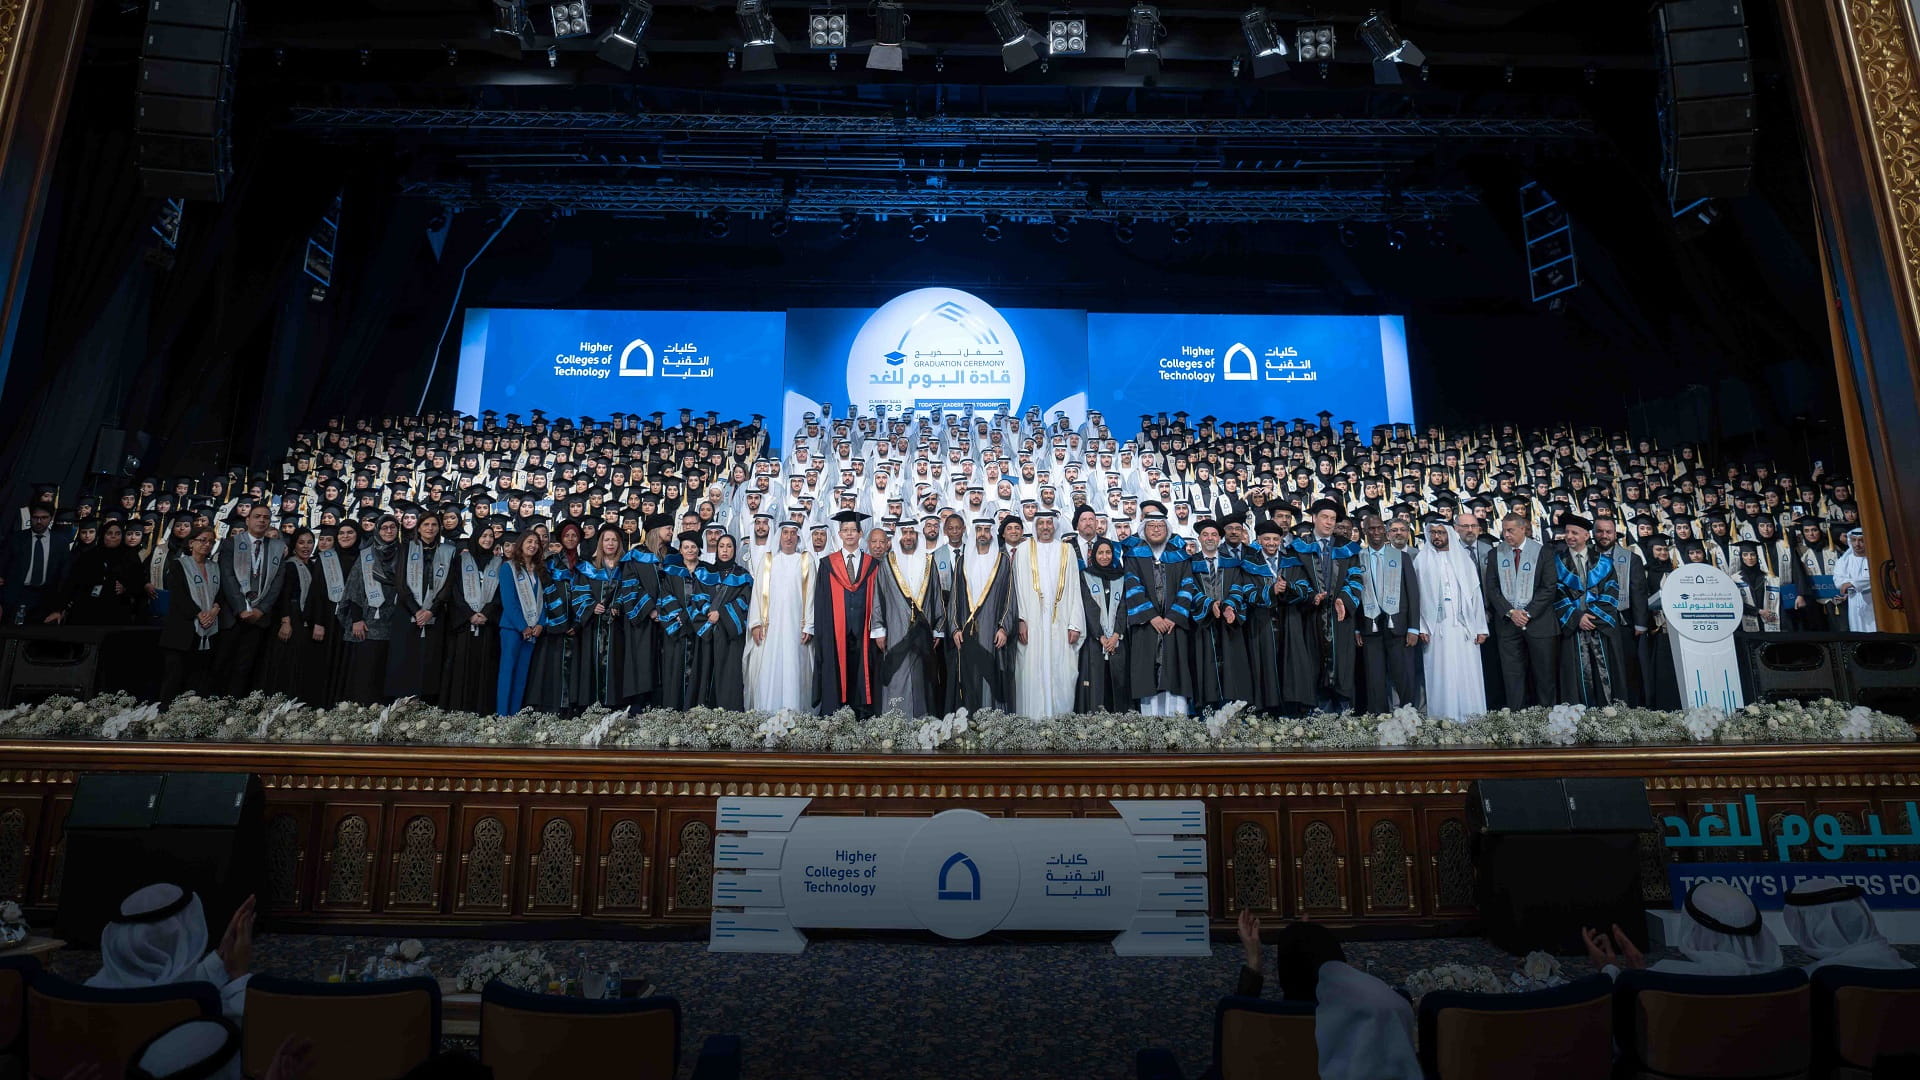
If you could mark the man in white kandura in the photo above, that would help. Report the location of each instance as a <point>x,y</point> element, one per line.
<point>1453,625</point>
<point>1853,573</point>
<point>1046,586</point>
<point>779,666</point>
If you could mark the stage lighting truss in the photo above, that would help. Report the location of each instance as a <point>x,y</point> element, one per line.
<point>320,246</point>
<point>827,28</point>
<point>1019,45</point>
<point>569,19</point>
<point>761,42</point>
<point>1314,41</point>
<point>1551,265</point>
<point>619,44</point>
<point>1066,34</point>
<point>510,21</point>
<point>166,224</point>
<point>1144,32</point>
<point>1389,49</point>
<point>889,49</point>
<point>1264,43</point>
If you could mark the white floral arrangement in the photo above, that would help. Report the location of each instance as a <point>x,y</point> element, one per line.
<point>1538,971</point>
<point>401,960</point>
<point>1233,728</point>
<point>13,924</point>
<point>522,969</point>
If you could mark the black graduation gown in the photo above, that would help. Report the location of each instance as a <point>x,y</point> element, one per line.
<point>600,640</point>
<point>640,655</point>
<point>680,603</point>
<point>470,681</point>
<point>1160,663</point>
<point>979,676</point>
<point>91,599</point>
<point>297,667</point>
<point>550,675</point>
<point>1656,653</point>
<point>846,668</point>
<point>418,653</point>
<point>1321,649</point>
<point>720,645</point>
<point>1590,669</point>
<point>1102,684</point>
<point>335,688</point>
<point>1265,611</point>
<point>364,676</point>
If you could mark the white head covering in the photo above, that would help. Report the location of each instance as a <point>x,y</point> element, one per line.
<point>1832,922</point>
<point>192,1050</point>
<point>159,938</point>
<point>1364,1029</point>
<point>1723,935</point>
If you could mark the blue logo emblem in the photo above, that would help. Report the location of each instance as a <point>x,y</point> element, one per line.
<point>894,358</point>
<point>959,859</point>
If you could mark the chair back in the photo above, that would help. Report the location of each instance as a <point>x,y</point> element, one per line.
<point>73,1025</point>
<point>525,1036</point>
<point>371,1030</point>
<point>1259,1039</point>
<point>1715,1027</point>
<point>1565,1033</point>
<point>15,973</point>
<point>1861,1015</point>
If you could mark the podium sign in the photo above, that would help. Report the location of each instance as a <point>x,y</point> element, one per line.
<point>1703,609</point>
<point>960,874</point>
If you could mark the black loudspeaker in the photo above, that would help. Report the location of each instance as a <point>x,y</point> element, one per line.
<point>1883,672</point>
<point>109,448</point>
<point>1800,667</point>
<point>1554,856</point>
<point>1705,99</point>
<point>37,662</point>
<point>205,832</point>
<point>184,108</point>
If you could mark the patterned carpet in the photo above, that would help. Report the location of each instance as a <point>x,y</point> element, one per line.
<point>912,1009</point>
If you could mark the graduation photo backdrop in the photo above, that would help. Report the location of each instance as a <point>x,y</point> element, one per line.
<point>933,347</point>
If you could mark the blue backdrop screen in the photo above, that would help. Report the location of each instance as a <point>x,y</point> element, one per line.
<point>933,347</point>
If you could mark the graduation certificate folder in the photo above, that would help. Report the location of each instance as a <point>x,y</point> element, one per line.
<point>1823,587</point>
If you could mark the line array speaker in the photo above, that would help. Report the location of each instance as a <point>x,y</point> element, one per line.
<point>1706,99</point>
<point>184,109</point>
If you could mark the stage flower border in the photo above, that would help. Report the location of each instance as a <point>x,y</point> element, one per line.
<point>262,718</point>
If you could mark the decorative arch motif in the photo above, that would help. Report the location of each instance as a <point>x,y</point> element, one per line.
<point>347,878</point>
<point>1319,868</point>
<point>1455,865</point>
<point>553,881</point>
<point>486,865</point>
<point>1252,885</point>
<point>1387,868</point>
<point>13,854</point>
<point>283,861</point>
<point>693,867</point>
<point>416,871</point>
<point>623,884</point>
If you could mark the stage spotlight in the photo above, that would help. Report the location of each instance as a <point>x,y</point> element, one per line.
<point>826,28</point>
<point>1313,41</point>
<point>1143,40</point>
<point>620,44</point>
<point>1066,34</point>
<point>569,20</point>
<point>889,49</point>
<point>1389,49</point>
<point>1263,41</point>
<point>1396,238</point>
<point>1019,45</point>
<point>510,21</point>
<point>921,228</point>
<point>849,225</point>
<point>762,40</point>
<point>717,224</point>
<point>1123,230</point>
<point>1348,238</point>
<point>990,227</point>
<point>779,224</point>
<point>1062,230</point>
<point>1182,229</point>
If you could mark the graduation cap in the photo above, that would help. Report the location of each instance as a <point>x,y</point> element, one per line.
<point>854,516</point>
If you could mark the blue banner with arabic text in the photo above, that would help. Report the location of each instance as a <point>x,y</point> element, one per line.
<point>1784,837</point>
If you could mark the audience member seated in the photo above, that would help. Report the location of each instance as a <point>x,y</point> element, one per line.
<point>210,1050</point>
<point>1722,935</point>
<point>1832,923</point>
<point>160,937</point>
<point>1365,1028</point>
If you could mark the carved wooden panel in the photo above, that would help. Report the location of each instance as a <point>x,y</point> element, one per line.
<point>19,829</point>
<point>487,847</point>
<point>349,839</point>
<point>53,847</point>
<point>1249,847</point>
<point>624,846</point>
<point>690,867</point>
<point>416,857</point>
<point>1773,815</point>
<point>1322,882</point>
<point>1448,840</point>
<point>288,870</point>
<point>1389,871</point>
<point>555,860</point>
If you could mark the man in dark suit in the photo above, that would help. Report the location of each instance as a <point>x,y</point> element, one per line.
<point>1520,588</point>
<point>1389,606</point>
<point>32,562</point>
<point>251,562</point>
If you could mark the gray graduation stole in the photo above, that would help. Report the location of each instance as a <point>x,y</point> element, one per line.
<point>1516,580</point>
<point>1382,595</point>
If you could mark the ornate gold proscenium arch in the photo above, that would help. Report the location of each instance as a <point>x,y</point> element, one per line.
<point>1859,103</point>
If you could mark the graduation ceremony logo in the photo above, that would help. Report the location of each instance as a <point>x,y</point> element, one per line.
<point>936,347</point>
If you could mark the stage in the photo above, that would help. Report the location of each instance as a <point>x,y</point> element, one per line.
<point>418,838</point>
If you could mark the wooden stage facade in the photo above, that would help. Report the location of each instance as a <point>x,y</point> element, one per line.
<point>411,837</point>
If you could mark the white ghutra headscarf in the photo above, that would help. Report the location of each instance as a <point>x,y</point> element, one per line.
<point>1832,922</point>
<point>160,938</point>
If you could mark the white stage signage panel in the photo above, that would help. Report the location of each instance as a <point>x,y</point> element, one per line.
<point>1703,609</point>
<point>960,874</point>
